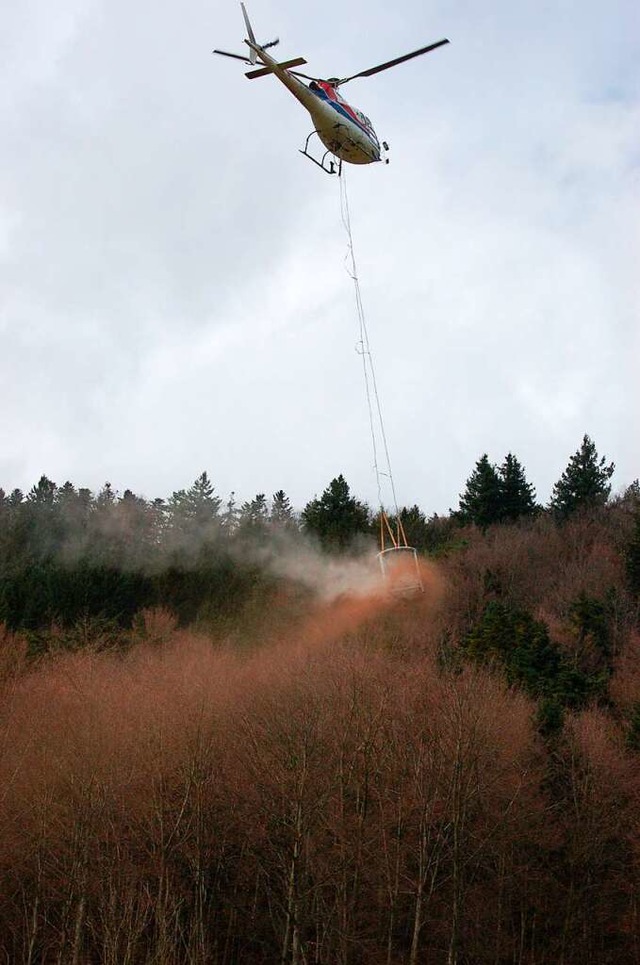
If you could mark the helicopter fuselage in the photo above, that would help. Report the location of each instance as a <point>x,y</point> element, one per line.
<point>344,130</point>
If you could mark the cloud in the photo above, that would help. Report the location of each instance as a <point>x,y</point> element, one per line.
<point>171,271</point>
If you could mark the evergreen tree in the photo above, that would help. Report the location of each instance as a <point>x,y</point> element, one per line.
<point>590,621</point>
<point>16,498</point>
<point>85,497</point>
<point>253,517</point>
<point>480,503</point>
<point>336,517</point>
<point>414,524</point>
<point>631,495</point>
<point>136,528</point>
<point>441,533</point>
<point>585,482</point>
<point>230,516</point>
<point>42,532</point>
<point>44,493</point>
<point>66,495</point>
<point>518,641</point>
<point>282,518</point>
<point>5,521</point>
<point>197,507</point>
<point>281,515</point>
<point>194,522</point>
<point>530,658</point>
<point>254,511</point>
<point>103,546</point>
<point>158,520</point>
<point>424,535</point>
<point>74,508</point>
<point>106,497</point>
<point>517,496</point>
<point>66,491</point>
<point>202,503</point>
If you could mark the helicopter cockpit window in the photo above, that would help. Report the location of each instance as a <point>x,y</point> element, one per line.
<point>365,120</point>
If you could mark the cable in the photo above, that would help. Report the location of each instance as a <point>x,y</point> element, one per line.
<point>367,358</point>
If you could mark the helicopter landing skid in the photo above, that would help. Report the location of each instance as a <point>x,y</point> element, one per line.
<point>329,167</point>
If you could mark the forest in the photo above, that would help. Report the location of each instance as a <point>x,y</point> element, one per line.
<point>223,741</point>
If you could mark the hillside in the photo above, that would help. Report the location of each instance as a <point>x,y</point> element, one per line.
<point>212,753</point>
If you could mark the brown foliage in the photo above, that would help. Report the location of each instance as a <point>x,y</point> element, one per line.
<point>544,569</point>
<point>13,655</point>
<point>331,795</point>
<point>624,686</point>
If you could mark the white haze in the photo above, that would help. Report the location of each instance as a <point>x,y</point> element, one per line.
<point>327,577</point>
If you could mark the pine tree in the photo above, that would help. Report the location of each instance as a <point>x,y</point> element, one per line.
<point>414,524</point>
<point>336,517</point>
<point>104,545</point>
<point>229,518</point>
<point>197,506</point>
<point>136,526</point>
<point>417,529</point>
<point>43,494</point>
<point>15,498</point>
<point>253,516</point>
<point>521,643</point>
<point>282,515</point>
<point>42,527</point>
<point>194,520</point>
<point>585,482</point>
<point>202,501</point>
<point>517,496</point>
<point>631,495</point>
<point>254,510</point>
<point>66,493</point>
<point>74,508</point>
<point>157,510</point>
<point>107,496</point>
<point>480,503</point>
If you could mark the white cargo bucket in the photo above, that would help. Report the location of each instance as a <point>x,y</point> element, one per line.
<point>401,570</point>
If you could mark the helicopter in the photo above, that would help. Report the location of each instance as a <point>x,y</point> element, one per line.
<point>346,133</point>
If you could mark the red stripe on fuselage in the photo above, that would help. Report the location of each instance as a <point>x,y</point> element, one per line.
<point>333,95</point>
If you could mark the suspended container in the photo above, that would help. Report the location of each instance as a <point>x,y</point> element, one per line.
<point>398,561</point>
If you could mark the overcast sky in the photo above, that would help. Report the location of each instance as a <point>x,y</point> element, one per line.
<point>173,293</point>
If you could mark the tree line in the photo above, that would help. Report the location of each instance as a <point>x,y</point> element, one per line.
<point>65,552</point>
<point>503,494</point>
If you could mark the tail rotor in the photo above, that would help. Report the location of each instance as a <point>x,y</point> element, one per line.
<point>252,57</point>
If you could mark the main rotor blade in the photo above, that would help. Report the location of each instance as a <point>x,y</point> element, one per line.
<point>225,53</point>
<point>296,73</point>
<point>393,63</point>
